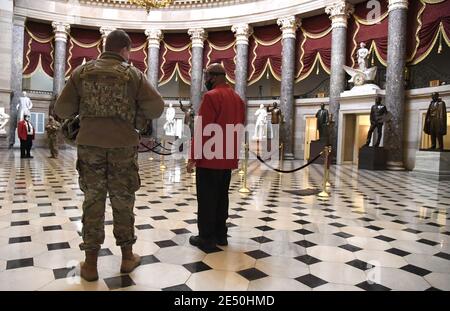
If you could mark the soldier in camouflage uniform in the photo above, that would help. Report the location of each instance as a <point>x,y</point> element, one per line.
<point>113,100</point>
<point>52,129</point>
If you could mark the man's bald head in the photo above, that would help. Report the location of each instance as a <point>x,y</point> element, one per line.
<point>214,74</point>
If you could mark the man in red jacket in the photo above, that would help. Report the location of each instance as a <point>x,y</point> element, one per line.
<point>25,131</point>
<point>215,144</point>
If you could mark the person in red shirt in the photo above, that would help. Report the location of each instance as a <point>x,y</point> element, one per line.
<point>218,131</point>
<point>25,131</point>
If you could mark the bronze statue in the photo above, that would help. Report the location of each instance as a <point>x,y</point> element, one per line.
<point>323,120</point>
<point>189,115</point>
<point>378,114</point>
<point>275,113</point>
<point>436,121</point>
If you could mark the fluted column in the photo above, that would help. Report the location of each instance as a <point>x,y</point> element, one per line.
<point>105,31</point>
<point>198,36</point>
<point>16,72</point>
<point>289,27</point>
<point>154,37</point>
<point>339,12</point>
<point>61,31</point>
<point>395,88</point>
<point>242,32</point>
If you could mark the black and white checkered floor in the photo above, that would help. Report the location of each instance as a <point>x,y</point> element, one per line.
<point>378,231</point>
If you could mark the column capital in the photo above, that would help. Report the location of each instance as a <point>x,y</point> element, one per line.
<point>61,31</point>
<point>339,12</point>
<point>242,32</point>
<point>198,36</point>
<point>289,25</point>
<point>106,30</point>
<point>154,37</point>
<point>397,4</point>
<point>19,20</point>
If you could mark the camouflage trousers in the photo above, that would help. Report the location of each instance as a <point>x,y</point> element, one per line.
<point>112,171</point>
<point>53,146</point>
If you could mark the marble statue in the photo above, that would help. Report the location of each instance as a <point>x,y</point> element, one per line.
<point>261,123</point>
<point>378,114</point>
<point>363,74</point>
<point>323,122</point>
<point>189,115</point>
<point>4,118</point>
<point>169,126</point>
<point>24,106</point>
<point>436,121</point>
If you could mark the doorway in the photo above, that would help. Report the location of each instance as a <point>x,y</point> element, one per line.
<point>310,133</point>
<point>355,134</point>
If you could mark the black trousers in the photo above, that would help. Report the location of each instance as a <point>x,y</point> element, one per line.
<point>440,139</point>
<point>25,147</point>
<point>379,127</point>
<point>212,198</point>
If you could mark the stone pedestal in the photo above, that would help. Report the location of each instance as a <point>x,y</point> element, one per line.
<point>316,147</point>
<point>432,164</point>
<point>372,158</point>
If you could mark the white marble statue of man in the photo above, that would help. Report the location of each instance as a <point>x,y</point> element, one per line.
<point>169,126</point>
<point>4,118</point>
<point>261,123</point>
<point>362,54</point>
<point>24,106</point>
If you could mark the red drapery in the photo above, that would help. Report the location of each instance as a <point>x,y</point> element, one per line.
<point>38,49</point>
<point>264,53</point>
<point>175,58</point>
<point>138,55</point>
<point>220,48</point>
<point>83,46</point>
<point>313,46</point>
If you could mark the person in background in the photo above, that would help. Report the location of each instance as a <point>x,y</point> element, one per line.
<point>26,133</point>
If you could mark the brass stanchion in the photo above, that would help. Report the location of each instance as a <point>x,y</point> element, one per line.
<point>244,188</point>
<point>281,156</point>
<point>162,166</point>
<point>324,195</point>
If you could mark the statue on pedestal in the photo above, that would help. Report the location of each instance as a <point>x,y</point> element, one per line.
<point>189,115</point>
<point>436,121</point>
<point>363,74</point>
<point>276,119</point>
<point>24,106</point>
<point>261,123</point>
<point>4,118</point>
<point>378,114</point>
<point>323,122</point>
<point>169,126</point>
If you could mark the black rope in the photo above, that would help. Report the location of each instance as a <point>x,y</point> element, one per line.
<point>148,149</point>
<point>288,171</point>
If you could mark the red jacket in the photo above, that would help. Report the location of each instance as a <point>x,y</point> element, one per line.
<point>22,130</point>
<point>220,106</point>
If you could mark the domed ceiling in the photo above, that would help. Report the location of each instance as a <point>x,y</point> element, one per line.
<point>177,4</point>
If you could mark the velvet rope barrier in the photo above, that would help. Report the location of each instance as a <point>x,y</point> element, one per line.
<point>288,171</point>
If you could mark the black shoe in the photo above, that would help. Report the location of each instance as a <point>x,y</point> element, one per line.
<point>222,241</point>
<point>197,241</point>
<point>30,157</point>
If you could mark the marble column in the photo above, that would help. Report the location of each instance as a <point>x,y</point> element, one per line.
<point>242,32</point>
<point>289,27</point>
<point>16,72</point>
<point>198,36</point>
<point>154,37</point>
<point>61,31</point>
<point>105,31</point>
<point>339,12</point>
<point>395,87</point>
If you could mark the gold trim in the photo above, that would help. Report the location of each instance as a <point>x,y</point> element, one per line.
<point>268,65</point>
<point>267,43</point>
<point>315,36</point>
<point>173,49</point>
<point>42,41</point>
<point>371,22</point>
<point>431,47</point>
<point>419,27</point>
<point>432,1</point>
<point>27,56</point>
<point>85,46</point>
<point>221,48</point>
<point>318,58</point>
<point>38,66</point>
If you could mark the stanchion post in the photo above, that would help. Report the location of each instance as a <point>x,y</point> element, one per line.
<point>281,156</point>
<point>241,170</point>
<point>328,167</point>
<point>244,188</point>
<point>324,195</point>
<point>162,166</point>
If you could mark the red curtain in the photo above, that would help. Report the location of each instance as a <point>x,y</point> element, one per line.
<point>435,28</point>
<point>264,52</point>
<point>38,48</point>
<point>84,45</point>
<point>313,46</point>
<point>175,57</point>
<point>220,48</point>
<point>138,55</point>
